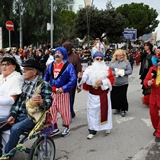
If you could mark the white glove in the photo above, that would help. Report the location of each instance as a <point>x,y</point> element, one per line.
<point>119,72</point>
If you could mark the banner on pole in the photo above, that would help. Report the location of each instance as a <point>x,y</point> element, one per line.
<point>130,34</point>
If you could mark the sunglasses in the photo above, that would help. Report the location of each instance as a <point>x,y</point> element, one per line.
<point>98,59</point>
<point>28,69</point>
<point>5,64</point>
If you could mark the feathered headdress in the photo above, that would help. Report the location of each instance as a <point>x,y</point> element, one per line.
<point>98,50</point>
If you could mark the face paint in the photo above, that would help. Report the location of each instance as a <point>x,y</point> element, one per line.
<point>57,56</point>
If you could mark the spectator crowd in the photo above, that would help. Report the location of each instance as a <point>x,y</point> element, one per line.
<point>59,74</point>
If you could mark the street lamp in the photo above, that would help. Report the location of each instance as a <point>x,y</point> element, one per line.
<point>51,23</point>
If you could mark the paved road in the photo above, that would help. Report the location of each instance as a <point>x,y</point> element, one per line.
<point>130,139</point>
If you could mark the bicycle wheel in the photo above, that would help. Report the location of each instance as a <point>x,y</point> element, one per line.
<point>42,150</point>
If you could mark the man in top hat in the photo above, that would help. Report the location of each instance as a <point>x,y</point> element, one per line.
<point>18,121</point>
<point>152,80</point>
<point>99,80</point>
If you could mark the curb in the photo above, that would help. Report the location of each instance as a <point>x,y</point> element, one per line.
<point>143,153</point>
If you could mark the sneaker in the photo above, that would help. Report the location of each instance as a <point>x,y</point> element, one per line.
<point>65,132</point>
<point>123,113</point>
<point>108,131</point>
<point>116,111</point>
<point>5,158</point>
<point>54,133</point>
<point>157,139</point>
<point>90,136</point>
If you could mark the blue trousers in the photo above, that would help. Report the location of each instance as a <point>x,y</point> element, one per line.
<point>22,124</point>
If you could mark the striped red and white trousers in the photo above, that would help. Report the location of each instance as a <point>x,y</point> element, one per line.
<point>61,105</point>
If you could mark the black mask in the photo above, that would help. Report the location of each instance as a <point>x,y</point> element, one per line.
<point>57,56</point>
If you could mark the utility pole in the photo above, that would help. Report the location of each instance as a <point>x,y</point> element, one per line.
<point>20,31</point>
<point>51,23</point>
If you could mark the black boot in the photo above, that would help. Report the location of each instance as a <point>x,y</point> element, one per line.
<point>0,153</point>
<point>73,114</point>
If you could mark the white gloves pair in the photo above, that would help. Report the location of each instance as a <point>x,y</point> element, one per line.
<point>119,72</point>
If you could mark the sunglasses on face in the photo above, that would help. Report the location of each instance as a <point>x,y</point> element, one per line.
<point>98,59</point>
<point>27,69</point>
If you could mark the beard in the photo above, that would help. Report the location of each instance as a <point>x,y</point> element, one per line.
<point>99,71</point>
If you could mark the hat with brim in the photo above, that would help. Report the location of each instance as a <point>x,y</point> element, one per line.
<point>7,57</point>
<point>32,63</point>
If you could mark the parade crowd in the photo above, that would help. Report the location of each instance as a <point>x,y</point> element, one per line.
<point>47,79</point>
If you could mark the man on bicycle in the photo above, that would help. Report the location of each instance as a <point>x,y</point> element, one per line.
<point>18,120</point>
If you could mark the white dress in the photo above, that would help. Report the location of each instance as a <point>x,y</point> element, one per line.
<point>12,85</point>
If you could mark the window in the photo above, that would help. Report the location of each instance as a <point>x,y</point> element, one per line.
<point>80,6</point>
<point>70,7</point>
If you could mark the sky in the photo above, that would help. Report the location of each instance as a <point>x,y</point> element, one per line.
<point>101,4</point>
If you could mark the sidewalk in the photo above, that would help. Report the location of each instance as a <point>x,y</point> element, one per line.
<point>150,152</point>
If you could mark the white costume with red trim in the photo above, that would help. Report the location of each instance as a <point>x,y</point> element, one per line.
<point>98,71</point>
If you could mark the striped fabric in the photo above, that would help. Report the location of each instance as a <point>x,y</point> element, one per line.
<point>61,105</point>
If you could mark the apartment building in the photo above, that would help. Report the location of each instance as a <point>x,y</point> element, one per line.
<point>75,5</point>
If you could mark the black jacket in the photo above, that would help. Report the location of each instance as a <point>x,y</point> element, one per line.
<point>143,59</point>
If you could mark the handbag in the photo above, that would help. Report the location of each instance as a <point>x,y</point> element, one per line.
<point>147,91</point>
<point>34,112</point>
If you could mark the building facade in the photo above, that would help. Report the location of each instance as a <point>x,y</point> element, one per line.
<point>75,5</point>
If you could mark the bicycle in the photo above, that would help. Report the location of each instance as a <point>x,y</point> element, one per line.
<point>43,147</point>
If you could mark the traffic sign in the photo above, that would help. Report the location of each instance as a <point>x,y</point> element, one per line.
<point>10,25</point>
<point>130,34</point>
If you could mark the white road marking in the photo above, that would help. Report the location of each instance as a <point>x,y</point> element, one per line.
<point>147,122</point>
<point>123,119</point>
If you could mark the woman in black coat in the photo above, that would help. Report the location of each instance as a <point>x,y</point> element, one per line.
<point>146,63</point>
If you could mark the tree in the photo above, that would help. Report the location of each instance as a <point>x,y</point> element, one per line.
<point>139,16</point>
<point>64,26</point>
<point>34,21</point>
<point>102,23</point>
<point>35,16</point>
<point>6,14</point>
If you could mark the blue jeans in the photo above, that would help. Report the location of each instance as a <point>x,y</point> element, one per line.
<point>22,124</point>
